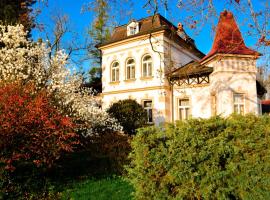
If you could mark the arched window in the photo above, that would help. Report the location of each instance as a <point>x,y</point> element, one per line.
<point>147,66</point>
<point>130,69</point>
<point>115,72</point>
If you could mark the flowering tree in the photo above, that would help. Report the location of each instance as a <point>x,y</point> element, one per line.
<point>24,60</point>
<point>31,128</point>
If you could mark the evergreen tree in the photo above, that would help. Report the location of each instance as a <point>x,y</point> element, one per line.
<point>99,33</point>
<point>106,15</point>
<point>17,12</point>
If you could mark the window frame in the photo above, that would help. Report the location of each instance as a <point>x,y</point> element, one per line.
<point>115,72</point>
<point>129,69</point>
<point>184,108</point>
<point>148,109</point>
<point>132,30</point>
<point>213,104</point>
<point>147,66</point>
<point>238,111</point>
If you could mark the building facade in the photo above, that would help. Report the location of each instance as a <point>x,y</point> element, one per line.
<point>158,65</point>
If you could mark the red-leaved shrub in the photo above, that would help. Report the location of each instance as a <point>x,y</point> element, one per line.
<point>31,128</point>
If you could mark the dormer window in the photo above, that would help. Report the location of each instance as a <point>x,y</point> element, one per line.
<point>132,28</point>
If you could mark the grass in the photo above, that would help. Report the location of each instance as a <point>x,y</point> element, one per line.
<point>77,176</point>
<point>110,188</point>
<point>84,178</point>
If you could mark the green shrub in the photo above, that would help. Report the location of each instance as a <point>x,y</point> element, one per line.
<point>114,147</point>
<point>203,159</point>
<point>129,114</point>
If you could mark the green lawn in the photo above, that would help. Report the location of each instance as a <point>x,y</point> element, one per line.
<point>76,177</point>
<point>114,188</point>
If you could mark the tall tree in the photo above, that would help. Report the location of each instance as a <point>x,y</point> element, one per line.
<point>106,15</point>
<point>99,32</point>
<point>17,12</point>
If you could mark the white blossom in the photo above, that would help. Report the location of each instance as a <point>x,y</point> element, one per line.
<point>22,59</point>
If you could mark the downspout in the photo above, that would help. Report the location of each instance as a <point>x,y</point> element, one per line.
<point>172,103</point>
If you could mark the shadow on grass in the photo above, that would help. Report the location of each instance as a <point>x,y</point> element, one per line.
<point>82,177</point>
<point>114,188</point>
<point>76,176</point>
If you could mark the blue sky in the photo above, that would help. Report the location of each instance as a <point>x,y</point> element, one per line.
<point>79,22</point>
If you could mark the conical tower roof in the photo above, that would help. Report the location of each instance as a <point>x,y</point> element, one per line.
<point>228,38</point>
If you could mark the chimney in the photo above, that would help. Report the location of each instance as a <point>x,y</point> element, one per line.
<point>180,27</point>
<point>181,32</point>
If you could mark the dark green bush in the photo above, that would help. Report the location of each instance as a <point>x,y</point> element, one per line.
<point>114,147</point>
<point>129,114</point>
<point>203,159</point>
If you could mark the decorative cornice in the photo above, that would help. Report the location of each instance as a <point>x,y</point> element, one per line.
<point>136,90</point>
<point>218,56</point>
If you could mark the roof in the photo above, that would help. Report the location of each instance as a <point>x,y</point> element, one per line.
<point>192,68</point>
<point>153,24</point>
<point>265,106</point>
<point>228,38</point>
<point>265,102</point>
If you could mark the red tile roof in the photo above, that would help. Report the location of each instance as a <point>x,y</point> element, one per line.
<point>228,39</point>
<point>265,102</point>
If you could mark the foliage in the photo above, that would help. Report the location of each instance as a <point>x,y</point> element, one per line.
<point>99,31</point>
<point>106,13</point>
<point>28,188</point>
<point>95,79</point>
<point>39,96</point>
<point>33,135</point>
<point>113,146</point>
<point>129,114</point>
<point>14,12</point>
<point>23,60</point>
<point>31,128</point>
<point>203,159</point>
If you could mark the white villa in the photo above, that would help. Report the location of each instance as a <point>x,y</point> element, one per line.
<point>158,65</point>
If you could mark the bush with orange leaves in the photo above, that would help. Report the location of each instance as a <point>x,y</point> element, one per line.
<point>31,129</point>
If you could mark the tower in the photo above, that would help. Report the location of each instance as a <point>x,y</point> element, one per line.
<point>233,80</point>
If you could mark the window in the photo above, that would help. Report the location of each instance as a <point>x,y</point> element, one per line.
<point>130,70</point>
<point>147,66</point>
<point>115,72</point>
<point>147,105</point>
<point>239,103</point>
<point>184,109</point>
<point>132,30</point>
<point>213,104</point>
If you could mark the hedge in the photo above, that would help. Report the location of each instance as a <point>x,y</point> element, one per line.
<point>203,159</point>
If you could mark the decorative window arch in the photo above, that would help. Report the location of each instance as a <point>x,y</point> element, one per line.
<point>115,71</point>
<point>130,69</point>
<point>147,65</point>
